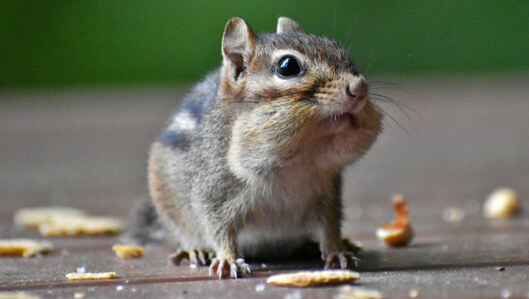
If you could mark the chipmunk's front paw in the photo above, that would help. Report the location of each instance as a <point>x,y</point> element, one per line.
<point>199,257</point>
<point>341,259</point>
<point>222,267</point>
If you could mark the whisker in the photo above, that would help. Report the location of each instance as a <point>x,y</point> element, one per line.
<point>398,105</point>
<point>395,120</point>
<point>382,83</point>
<point>394,101</point>
<point>402,107</point>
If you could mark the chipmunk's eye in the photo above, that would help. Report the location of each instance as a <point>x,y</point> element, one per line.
<point>288,66</point>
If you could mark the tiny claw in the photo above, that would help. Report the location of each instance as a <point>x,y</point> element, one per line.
<point>193,260</point>
<point>178,257</point>
<point>233,270</point>
<point>214,266</point>
<point>203,256</point>
<point>350,246</point>
<point>243,266</point>
<point>223,268</point>
<point>343,260</point>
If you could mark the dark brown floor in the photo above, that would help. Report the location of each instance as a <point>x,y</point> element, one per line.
<point>463,139</point>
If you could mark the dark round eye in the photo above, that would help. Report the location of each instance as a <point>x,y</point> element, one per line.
<point>288,66</point>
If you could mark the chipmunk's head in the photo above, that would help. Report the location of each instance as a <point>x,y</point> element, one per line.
<point>300,96</point>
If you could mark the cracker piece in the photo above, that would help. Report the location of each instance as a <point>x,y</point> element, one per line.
<point>313,278</point>
<point>17,295</point>
<point>80,276</point>
<point>128,251</point>
<point>502,203</point>
<point>76,226</point>
<point>24,247</point>
<point>398,233</point>
<point>348,292</point>
<point>33,217</point>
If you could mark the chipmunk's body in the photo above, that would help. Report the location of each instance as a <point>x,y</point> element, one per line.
<point>251,164</point>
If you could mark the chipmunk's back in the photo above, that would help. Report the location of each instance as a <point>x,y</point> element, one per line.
<point>186,121</point>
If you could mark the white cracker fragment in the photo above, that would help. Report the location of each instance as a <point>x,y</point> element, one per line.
<point>128,251</point>
<point>348,292</point>
<point>501,203</point>
<point>313,278</point>
<point>33,217</point>
<point>80,225</point>
<point>18,295</point>
<point>24,247</point>
<point>101,275</point>
<point>78,295</point>
<point>414,293</point>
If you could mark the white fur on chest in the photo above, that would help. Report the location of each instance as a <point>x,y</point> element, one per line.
<point>284,209</point>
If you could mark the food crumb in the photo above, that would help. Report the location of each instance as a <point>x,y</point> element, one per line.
<point>101,275</point>
<point>78,295</point>
<point>313,278</point>
<point>501,203</point>
<point>453,214</point>
<point>18,295</point>
<point>414,293</point>
<point>398,233</point>
<point>348,292</point>
<point>33,217</point>
<point>24,247</point>
<point>294,295</point>
<point>260,287</point>
<point>128,251</point>
<point>79,226</point>
<point>500,268</point>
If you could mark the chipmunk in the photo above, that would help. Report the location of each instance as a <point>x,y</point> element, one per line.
<point>251,164</point>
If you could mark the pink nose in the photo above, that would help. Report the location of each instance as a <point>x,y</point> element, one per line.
<point>357,89</point>
<point>356,94</point>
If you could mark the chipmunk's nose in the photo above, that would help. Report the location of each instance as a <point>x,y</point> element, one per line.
<point>356,93</point>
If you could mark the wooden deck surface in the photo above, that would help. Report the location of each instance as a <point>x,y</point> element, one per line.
<point>461,140</point>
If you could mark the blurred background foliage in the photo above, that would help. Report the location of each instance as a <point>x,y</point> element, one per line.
<point>60,43</point>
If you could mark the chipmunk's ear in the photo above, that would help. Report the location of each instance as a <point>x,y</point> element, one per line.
<point>286,25</point>
<point>238,45</point>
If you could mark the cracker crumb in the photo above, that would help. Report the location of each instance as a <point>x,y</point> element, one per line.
<point>18,295</point>
<point>398,233</point>
<point>453,214</point>
<point>501,203</point>
<point>313,278</point>
<point>81,225</point>
<point>128,251</point>
<point>80,276</point>
<point>413,293</point>
<point>260,287</point>
<point>78,295</point>
<point>24,247</point>
<point>33,217</point>
<point>348,292</point>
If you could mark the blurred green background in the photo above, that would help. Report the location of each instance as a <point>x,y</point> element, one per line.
<point>92,43</point>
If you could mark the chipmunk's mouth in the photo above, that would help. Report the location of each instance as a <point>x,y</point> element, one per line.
<point>341,121</point>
